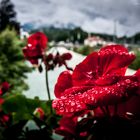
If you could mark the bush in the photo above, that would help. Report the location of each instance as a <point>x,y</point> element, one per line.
<point>12,64</point>
<point>84,50</point>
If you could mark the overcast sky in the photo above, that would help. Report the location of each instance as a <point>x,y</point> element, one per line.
<point>91,15</point>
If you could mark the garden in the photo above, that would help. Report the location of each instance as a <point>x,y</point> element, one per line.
<point>55,91</point>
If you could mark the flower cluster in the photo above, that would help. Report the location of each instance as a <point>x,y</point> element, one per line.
<point>57,60</point>
<point>98,81</point>
<point>35,49</point>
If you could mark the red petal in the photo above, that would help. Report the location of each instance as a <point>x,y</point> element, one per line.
<point>111,60</point>
<point>137,75</point>
<point>86,72</point>
<point>34,61</point>
<point>70,101</point>
<point>31,52</point>
<point>114,47</point>
<point>107,80</point>
<point>64,82</point>
<point>96,96</point>
<point>67,126</point>
<point>38,39</point>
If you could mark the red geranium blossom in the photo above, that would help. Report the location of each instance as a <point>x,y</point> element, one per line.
<point>97,81</point>
<point>35,47</point>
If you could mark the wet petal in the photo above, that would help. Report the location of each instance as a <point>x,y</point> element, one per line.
<point>96,96</point>
<point>87,71</point>
<point>112,60</point>
<point>64,82</point>
<point>115,57</point>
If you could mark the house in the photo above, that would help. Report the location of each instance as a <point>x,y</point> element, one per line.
<point>23,34</point>
<point>93,41</point>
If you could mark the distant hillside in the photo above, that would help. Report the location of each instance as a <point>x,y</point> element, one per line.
<point>77,34</point>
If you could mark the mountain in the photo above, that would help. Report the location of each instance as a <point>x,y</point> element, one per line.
<point>35,26</point>
<point>70,32</point>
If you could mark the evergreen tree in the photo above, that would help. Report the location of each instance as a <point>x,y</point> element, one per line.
<point>13,68</point>
<point>8,16</point>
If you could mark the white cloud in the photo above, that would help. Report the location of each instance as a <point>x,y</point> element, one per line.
<point>91,15</point>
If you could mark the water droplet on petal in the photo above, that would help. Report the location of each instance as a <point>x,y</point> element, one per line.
<point>72,103</point>
<point>128,81</point>
<point>61,109</point>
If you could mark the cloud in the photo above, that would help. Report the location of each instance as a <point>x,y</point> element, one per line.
<point>91,15</point>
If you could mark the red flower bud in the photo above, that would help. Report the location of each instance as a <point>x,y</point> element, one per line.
<point>39,113</point>
<point>66,56</point>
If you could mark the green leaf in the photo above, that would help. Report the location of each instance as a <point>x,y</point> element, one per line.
<point>21,107</point>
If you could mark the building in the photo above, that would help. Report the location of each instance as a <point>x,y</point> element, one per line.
<point>93,41</point>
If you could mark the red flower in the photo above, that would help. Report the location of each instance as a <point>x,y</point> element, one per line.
<point>36,47</point>
<point>97,81</point>
<point>5,87</point>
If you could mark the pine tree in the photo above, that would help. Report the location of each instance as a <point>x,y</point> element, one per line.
<point>13,68</point>
<point>8,16</point>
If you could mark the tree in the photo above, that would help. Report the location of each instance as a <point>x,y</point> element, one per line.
<point>13,68</point>
<point>8,16</point>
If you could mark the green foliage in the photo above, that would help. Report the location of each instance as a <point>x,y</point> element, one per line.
<point>22,108</point>
<point>65,34</point>
<point>136,63</point>
<point>22,114</point>
<point>84,50</point>
<point>13,68</point>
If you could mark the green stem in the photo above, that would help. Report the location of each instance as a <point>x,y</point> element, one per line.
<point>47,85</point>
<point>48,91</point>
<point>47,82</point>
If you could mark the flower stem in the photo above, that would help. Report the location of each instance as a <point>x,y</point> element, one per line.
<point>48,90</point>
<point>47,85</point>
